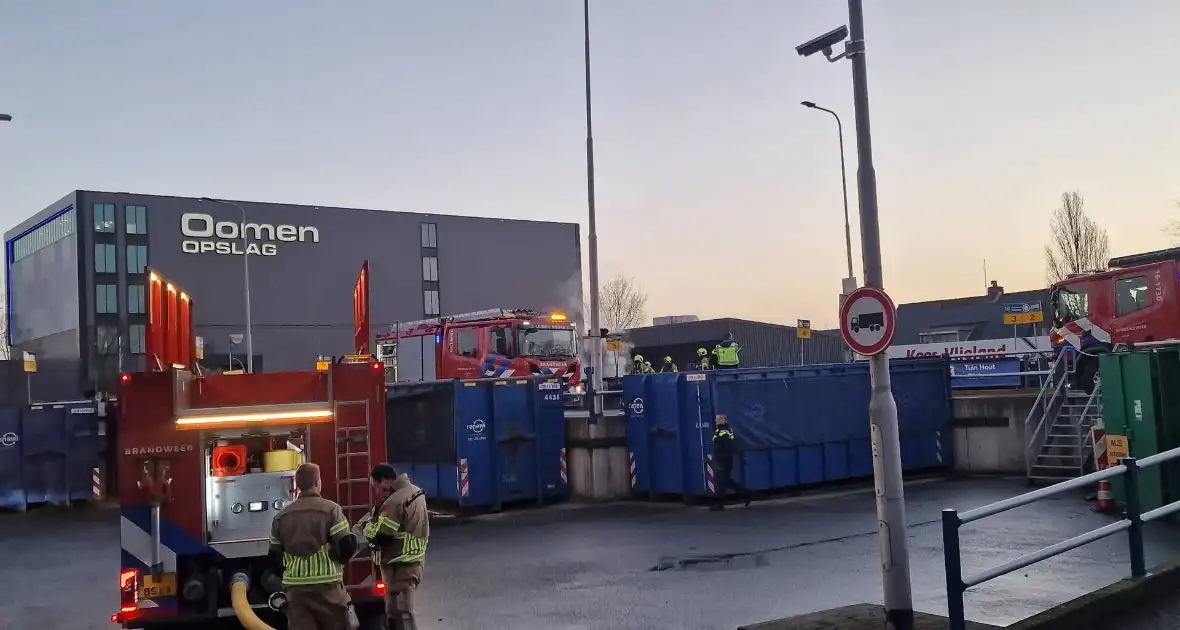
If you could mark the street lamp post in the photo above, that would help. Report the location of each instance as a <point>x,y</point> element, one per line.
<point>246,280</point>
<point>895,563</point>
<point>595,320</point>
<point>849,282</point>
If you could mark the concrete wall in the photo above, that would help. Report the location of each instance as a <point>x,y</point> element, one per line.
<point>989,429</point>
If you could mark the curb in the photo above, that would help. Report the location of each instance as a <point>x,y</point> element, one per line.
<point>1106,603</point>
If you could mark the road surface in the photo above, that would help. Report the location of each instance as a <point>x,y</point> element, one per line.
<point>644,566</point>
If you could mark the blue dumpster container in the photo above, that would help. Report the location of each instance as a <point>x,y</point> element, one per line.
<point>480,444</point>
<point>45,451</point>
<point>795,426</point>
<point>12,488</point>
<point>84,445</point>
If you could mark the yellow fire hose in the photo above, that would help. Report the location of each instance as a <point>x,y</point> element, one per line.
<point>238,587</point>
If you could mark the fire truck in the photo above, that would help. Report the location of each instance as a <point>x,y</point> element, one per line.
<point>1134,302</point>
<point>493,343</point>
<point>205,463</point>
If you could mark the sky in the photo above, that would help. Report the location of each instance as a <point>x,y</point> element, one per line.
<point>716,191</point>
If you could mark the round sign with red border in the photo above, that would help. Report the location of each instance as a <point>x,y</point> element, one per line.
<point>868,321</point>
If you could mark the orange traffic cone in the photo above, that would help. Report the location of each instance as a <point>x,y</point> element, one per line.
<point>1105,503</point>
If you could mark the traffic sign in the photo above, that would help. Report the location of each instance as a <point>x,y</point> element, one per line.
<point>803,328</point>
<point>1015,319</point>
<point>868,321</point>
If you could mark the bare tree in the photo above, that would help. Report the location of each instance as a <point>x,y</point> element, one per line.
<point>623,304</point>
<point>1078,245</point>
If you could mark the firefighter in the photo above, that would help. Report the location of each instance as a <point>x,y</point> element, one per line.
<point>310,540</point>
<point>668,366</point>
<point>637,364</point>
<point>727,353</point>
<point>724,449</point>
<point>398,530</point>
<point>703,359</point>
<point>647,369</point>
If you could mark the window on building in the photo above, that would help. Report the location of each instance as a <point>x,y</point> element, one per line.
<point>138,341</point>
<point>467,342</point>
<point>136,219</point>
<point>136,258</point>
<point>943,336</point>
<point>1131,295</point>
<point>104,217</point>
<point>135,304</point>
<point>104,258</point>
<point>430,268</point>
<point>106,299</point>
<point>106,340</point>
<point>430,299</point>
<point>429,235</point>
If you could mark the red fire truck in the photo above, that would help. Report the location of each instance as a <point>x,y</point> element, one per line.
<point>206,461</point>
<point>1134,302</point>
<point>494,343</point>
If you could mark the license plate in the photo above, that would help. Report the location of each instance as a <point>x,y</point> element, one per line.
<point>163,585</point>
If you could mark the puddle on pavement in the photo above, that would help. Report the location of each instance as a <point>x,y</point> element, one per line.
<point>713,563</point>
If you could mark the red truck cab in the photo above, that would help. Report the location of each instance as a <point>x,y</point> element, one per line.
<point>1135,302</point>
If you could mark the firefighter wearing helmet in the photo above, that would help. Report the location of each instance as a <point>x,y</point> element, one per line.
<point>668,366</point>
<point>703,359</point>
<point>637,364</point>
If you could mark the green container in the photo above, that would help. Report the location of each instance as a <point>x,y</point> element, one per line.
<point>1167,387</point>
<point>1129,408</point>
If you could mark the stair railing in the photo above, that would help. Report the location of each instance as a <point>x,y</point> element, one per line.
<point>1045,407</point>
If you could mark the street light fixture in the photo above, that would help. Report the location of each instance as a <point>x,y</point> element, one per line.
<point>895,562</point>
<point>5,118</point>
<point>246,279</point>
<point>850,282</point>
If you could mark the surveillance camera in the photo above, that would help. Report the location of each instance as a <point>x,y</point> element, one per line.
<point>823,42</point>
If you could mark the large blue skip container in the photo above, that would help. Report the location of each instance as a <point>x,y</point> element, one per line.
<point>60,447</point>
<point>12,482</point>
<point>480,444</point>
<point>795,426</point>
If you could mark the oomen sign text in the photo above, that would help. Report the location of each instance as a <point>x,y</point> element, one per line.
<point>204,235</point>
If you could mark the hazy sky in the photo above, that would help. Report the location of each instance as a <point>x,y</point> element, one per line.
<point>711,178</point>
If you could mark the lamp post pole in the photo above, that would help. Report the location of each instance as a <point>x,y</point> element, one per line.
<point>245,280</point>
<point>844,185</point>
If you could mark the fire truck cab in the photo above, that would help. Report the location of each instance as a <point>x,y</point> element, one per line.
<point>206,462</point>
<point>1135,302</point>
<point>494,343</point>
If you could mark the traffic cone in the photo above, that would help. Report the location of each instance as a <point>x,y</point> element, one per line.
<point>1105,503</point>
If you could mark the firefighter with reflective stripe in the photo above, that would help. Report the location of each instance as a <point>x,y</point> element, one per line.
<point>703,360</point>
<point>398,530</point>
<point>668,365</point>
<point>727,352</point>
<point>724,449</point>
<point>637,364</point>
<point>311,543</point>
<point>647,369</point>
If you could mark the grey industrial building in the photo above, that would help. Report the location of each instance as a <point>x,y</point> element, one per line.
<point>75,274</point>
<point>763,344</point>
<point>970,318</point>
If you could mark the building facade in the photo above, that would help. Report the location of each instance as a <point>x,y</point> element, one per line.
<point>763,344</point>
<point>972,326</point>
<point>76,274</point>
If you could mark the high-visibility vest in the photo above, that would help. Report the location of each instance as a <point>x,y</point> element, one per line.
<point>726,355</point>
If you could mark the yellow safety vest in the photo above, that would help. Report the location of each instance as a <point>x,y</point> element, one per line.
<point>726,355</point>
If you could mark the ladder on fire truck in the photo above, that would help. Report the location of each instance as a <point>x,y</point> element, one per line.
<point>354,462</point>
<point>1059,427</point>
<point>473,316</point>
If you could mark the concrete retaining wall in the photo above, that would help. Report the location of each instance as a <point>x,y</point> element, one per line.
<point>597,456</point>
<point>989,430</point>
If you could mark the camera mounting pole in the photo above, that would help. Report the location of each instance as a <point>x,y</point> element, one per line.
<point>887,473</point>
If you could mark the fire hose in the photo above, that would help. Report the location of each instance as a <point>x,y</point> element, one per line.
<point>239,585</point>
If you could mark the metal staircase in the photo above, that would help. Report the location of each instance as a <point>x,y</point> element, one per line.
<point>1058,427</point>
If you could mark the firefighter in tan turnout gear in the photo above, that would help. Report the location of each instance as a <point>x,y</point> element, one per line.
<point>310,540</point>
<point>397,531</point>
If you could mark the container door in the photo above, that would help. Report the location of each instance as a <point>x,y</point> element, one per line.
<point>696,427</point>
<point>81,426</point>
<point>553,467</point>
<point>45,448</point>
<point>664,436</point>
<point>474,472</point>
<point>638,449</point>
<point>1168,367</point>
<point>12,490</point>
<point>1129,377</point>
<point>515,426</point>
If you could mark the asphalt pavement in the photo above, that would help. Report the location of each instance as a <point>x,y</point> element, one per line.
<point>634,565</point>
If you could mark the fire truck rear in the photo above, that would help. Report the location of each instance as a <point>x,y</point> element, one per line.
<point>207,461</point>
<point>494,343</point>
<point>1135,303</point>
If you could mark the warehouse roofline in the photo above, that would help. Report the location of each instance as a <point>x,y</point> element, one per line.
<point>323,207</point>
